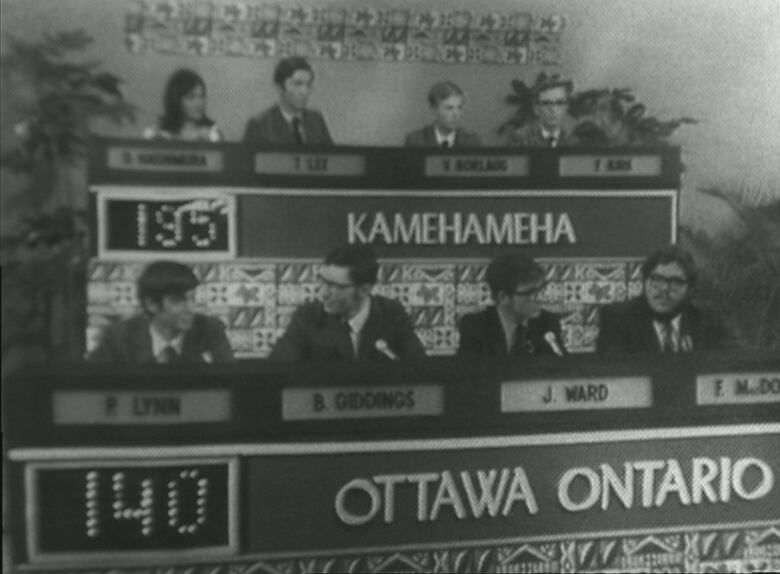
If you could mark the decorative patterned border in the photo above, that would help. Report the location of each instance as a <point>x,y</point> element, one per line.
<point>271,30</point>
<point>694,549</point>
<point>255,298</point>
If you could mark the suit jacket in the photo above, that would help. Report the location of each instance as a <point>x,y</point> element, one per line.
<point>482,334</point>
<point>129,341</point>
<point>271,129</point>
<point>628,327</point>
<point>530,135</point>
<point>314,335</point>
<point>426,137</point>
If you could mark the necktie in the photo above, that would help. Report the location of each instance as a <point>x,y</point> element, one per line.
<point>297,131</point>
<point>445,144</point>
<point>552,141</point>
<point>521,345</point>
<point>169,355</point>
<point>669,341</point>
<point>351,337</point>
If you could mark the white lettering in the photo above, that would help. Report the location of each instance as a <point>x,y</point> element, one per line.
<point>565,484</point>
<point>520,489</point>
<point>360,484</point>
<point>762,488</point>
<point>447,494</point>
<point>430,228</point>
<point>490,498</point>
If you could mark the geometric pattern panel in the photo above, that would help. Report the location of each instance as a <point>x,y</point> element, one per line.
<point>327,32</point>
<point>255,299</point>
<point>693,549</point>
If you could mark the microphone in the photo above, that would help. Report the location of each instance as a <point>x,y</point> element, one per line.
<point>382,346</point>
<point>549,336</point>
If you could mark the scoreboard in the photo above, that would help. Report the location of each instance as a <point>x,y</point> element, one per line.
<point>255,224</point>
<point>441,465</point>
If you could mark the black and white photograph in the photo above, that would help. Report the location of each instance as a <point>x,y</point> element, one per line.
<point>295,286</point>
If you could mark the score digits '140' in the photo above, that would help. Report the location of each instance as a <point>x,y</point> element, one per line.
<point>131,508</point>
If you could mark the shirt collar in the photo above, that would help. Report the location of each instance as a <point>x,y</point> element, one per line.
<point>509,324</point>
<point>288,117</point>
<point>159,343</point>
<point>440,137</point>
<point>674,322</point>
<point>546,134</point>
<point>357,322</point>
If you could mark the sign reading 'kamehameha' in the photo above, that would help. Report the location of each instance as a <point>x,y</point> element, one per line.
<point>431,228</point>
<point>453,224</point>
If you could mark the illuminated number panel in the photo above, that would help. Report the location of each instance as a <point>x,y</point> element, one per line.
<point>148,222</point>
<point>91,511</point>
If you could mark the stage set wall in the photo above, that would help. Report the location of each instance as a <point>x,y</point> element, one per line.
<point>710,59</point>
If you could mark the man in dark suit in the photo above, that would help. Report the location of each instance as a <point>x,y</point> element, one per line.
<point>551,128</point>
<point>662,318</point>
<point>348,323</point>
<point>168,330</point>
<point>446,101</point>
<point>516,324</point>
<point>290,122</point>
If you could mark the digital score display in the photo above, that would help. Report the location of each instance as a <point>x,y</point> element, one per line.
<point>102,510</point>
<point>141,224</point>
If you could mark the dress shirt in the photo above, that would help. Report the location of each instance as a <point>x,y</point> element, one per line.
<point>288,117</point>
<point>674,333</point>
<point>510,327</point>
<point>357,323</point>
<point>441,138</point>
<point>554,136</point>
<point>160,343</point>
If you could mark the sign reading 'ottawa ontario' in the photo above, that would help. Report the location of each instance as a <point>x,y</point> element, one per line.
<point>490,491</point>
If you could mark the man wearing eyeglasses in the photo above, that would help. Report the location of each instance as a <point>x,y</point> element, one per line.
<point>516,325</point>
<point>662,318</point>
<point>348,323</point>
<point>550,128</point>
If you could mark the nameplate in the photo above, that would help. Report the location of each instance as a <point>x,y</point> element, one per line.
<point>310,164</point>
<point>577,394</point>
<point>609,165</point>
<point>476,166</point>
<point>331,403</point>
<point>141,407</point>
<point>738,388</point>
<point>156,159</point>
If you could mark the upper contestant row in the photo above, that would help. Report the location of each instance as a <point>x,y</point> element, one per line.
<point>290,122</point>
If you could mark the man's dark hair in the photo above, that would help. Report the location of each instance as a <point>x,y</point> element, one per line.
<point>671,254</point>
<point>288,66</point>
<point>360,259</point>
<point>163,278</point>
<point>505,272</point>
<point>441,91</point>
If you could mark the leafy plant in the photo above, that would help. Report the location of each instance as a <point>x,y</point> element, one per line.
<point>604,117</point>
<point>741,271</point>
<point>58,97</point>
<point>614,117</point>
<point>44,261</point>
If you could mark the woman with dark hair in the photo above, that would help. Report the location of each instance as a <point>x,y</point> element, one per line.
<point>184,116</point>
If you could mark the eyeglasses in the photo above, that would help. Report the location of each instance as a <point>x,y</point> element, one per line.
<point>552,102</point>
<point>333,284</point>
<point>657,281</point>
<point>534,291</point>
